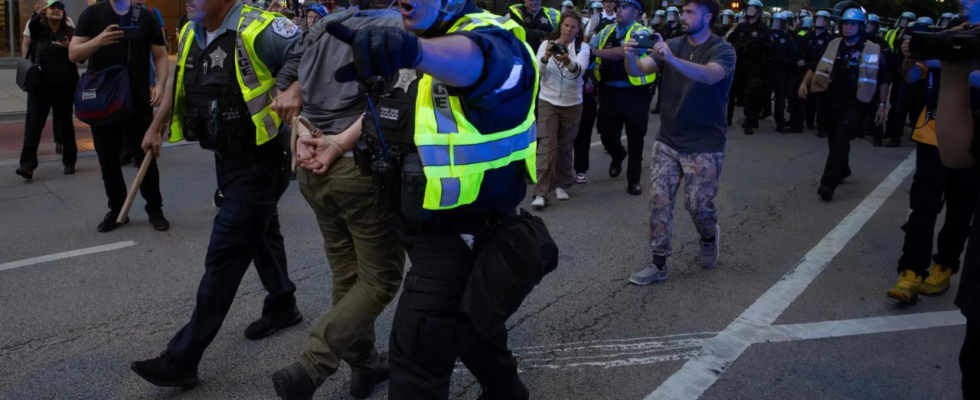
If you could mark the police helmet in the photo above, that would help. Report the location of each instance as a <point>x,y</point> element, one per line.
<point>854,14</point>
<point>756,3</point>
<point>874,18</point>
<point>925,21</point>
<point>596,4</point>
<point>659,13</point>
<point>909,15</point>
<point>807,23</point>
<point>672,9</point>
<point>779,16</point>
<point>804,14</point>
<point>823,14</point>
<point>567,3</point>
<point>728,13</point>
<point>672,14</point>
<point>945,19</point>
<point>319,9</point>
<point>740,15</point>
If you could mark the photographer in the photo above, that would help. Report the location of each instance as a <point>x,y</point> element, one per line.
<point>562,59</point>
<point>697,71</point>
<point>958,139</point>
<point>55,89</point>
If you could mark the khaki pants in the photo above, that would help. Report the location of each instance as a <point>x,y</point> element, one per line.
<point>366,257</point>
<point>557,128</point>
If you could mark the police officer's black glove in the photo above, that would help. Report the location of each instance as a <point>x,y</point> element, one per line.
<point>379,51</point>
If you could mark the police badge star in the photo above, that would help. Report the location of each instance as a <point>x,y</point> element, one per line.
<point>405,79</point>
<point>218,57</point>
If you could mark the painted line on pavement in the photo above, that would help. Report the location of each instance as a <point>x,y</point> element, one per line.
<point>699,373</point>
<point>687,349</point>
<point>67,254</point>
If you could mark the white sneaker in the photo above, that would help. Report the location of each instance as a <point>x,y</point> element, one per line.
<point>561,194</point>
<point>581,178</point>
<point>538,202</point>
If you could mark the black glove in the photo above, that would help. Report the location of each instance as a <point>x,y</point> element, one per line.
<point>378,51</point>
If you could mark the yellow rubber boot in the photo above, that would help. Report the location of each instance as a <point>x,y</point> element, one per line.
<point>938,281</point>
<point>907,288</point>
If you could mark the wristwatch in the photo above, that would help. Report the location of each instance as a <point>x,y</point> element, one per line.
<point>882,105</point>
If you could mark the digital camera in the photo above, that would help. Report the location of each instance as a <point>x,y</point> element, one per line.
<point>948,45</point>
<point>557,48</point>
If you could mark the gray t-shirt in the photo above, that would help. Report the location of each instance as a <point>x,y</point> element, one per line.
<point>330,105</point>
<point>694,116</point>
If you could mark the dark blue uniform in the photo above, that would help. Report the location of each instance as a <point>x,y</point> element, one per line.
<point>784,57</point>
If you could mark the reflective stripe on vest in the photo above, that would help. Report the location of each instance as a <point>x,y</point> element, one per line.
<point>890,38</point>
<point>254,77</point>
<point>455,154</point>
<point>552,14</point>
<point>604,37</point>
<point>867,72</point>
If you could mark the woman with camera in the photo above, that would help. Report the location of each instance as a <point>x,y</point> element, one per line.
<point>50,35</point>
<point>562,60</point>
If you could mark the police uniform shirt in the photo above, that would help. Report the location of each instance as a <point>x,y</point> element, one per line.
<point>814,46</point>
<point>271,46</point>
<point>783,51</point>
<point>847,65</point>
<point>499,100</point>
<point>536,26</point>
<point>750,42</point>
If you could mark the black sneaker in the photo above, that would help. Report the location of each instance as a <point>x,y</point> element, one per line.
<point>362,385</point>
<point>219,198</point>
<point>616,167</point>
<point>165,371</point>
<point>293,383</point>
<point>109,224</point>
<point>826,193</point>
<point>25,173</point>
<point>158,221</point>
<point>269,324</point>
<point>634,189</point>
<point>59,149</point>
<point>69,170</point>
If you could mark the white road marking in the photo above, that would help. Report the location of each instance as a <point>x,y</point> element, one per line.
<point>699,373</point>
<point>690,348</point>
<point>67,254</point>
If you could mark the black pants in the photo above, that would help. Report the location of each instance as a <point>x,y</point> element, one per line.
<point>784,85</point>
<point>901,102</point>
<point>797,106</point>
<point>933,185</point>
<point>109,144</point>
<point>870,127</point>
<point>811,107</point>
<point>429,332</point>
<point>583,142</point>
<point>737,92</point>
<point>246,230</point>
<point>629,107</point>
<point>48,97</point>
<point>843,119</point>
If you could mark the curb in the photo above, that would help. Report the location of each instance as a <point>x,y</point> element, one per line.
<point>14,117</point>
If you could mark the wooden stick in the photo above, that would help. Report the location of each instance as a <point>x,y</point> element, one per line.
<point>135,188</point>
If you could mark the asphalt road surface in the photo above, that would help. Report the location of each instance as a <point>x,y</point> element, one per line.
<point>796,308</point>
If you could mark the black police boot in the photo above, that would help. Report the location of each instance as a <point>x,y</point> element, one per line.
<point>634,189</point>
<point>894,142</point>
<point>269,324</point>
<point>293,383</point>
<point>616,167</point>
<point>165,371</point>
<point>25,173</point>
<point>826,192</point>
<point>362,384</point>
<point>69,170</point>
<point>158,221</point>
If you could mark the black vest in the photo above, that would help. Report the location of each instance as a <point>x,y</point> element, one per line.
<point>613,70</point>
<point>216,111</point>
<point>395,111</point>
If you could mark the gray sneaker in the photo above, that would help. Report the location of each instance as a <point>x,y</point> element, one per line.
<point>649,274</point>
<point>710,251</point>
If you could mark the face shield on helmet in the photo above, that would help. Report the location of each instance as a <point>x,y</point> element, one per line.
<point>658,17</point>
<point>778,21</point>
<point>905,19</point>
<point>874,23</point>
<point>740,17</point>
<point>926,21</point>
<point>672,14</point>
<point>807,23</point>
<point>567,6</point>
<point>822,20</point>
<point>945,19</point>
<point>727,18</point>
<point>754,9</point>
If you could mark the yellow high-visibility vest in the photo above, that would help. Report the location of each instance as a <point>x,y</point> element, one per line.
<point>256,83</point>
<point>604,37</point>
<point>454,153</point>
<point>553,15</point>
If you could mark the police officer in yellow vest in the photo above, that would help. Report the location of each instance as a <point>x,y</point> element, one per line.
<point>848,75</point>
<point>537,21</point>
<point>900,99</point>
<point>221,98</point>
<point>460,179</point>
<point>624,100</point>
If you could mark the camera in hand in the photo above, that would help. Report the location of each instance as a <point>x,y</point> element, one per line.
<point>645,40</point>
<point>947,46</point>
<point>557,48</point>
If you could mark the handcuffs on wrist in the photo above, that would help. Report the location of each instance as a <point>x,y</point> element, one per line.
<point>302,127</point>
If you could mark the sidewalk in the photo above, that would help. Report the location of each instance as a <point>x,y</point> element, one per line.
<point>13,112</point>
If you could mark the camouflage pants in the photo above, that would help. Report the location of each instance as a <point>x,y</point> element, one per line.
<point>701,172</point>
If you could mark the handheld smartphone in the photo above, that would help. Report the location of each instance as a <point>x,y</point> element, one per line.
<point>645,40</point>
<point>130,32</point>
